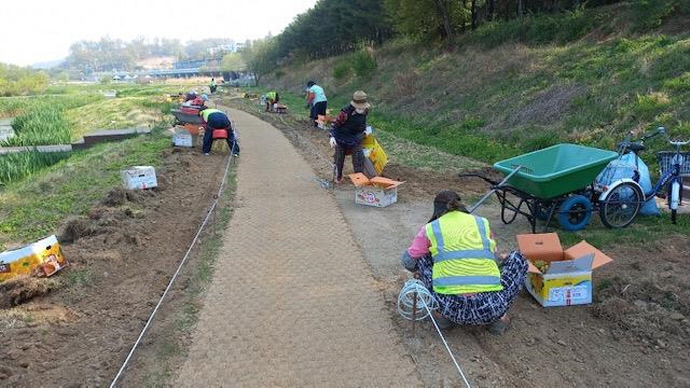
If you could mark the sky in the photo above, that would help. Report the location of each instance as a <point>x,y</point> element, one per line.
<point>34,31</point>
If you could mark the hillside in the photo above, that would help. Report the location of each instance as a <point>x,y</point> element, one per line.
<point>491,101</point>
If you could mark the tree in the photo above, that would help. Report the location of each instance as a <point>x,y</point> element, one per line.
<point>232,62</point>
<point>259,58</point>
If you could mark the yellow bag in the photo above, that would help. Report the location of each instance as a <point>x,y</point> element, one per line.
<point>377,155</point>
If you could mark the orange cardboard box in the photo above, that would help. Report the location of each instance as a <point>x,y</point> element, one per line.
<point>568,279</point>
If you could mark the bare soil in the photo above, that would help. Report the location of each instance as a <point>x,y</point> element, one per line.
<point>636,333</point>
<point>76,328</point>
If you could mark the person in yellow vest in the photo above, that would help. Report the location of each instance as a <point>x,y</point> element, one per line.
<point>272,98</point>
<point>455,257</point>
<point>215,119</point>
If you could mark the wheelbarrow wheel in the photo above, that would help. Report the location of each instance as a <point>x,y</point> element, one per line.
<point>575,213</point>
<point>621,205</point>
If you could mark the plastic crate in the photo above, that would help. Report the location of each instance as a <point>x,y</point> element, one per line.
<point>666,161</point>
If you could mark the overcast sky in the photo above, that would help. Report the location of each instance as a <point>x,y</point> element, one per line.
<point>42,30</point>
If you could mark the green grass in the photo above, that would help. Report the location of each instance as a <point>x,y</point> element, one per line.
<point>15,106</point>
<point>41,125</point>
<point>16,166</point>
<point>35,206</point>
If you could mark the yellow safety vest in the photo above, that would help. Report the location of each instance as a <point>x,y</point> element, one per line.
<point>463,254</point>
<point>271,96</point>
<point>207,112</point>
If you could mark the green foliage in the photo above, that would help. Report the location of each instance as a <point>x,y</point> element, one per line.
<point>17,81</point>
<point>36,205</point>
<point>16,166</point>
<point>41,125</point>
<point>649,14</point>
<point>106,79</point>
<point>332,27</point>
<point>232,62</point>
<point>681,83</point>
<point>363,63</point>
<point>535,29</point>
<point>341,71</point>
<point>10,107</point>
<point>279,74</point>
<point>259,58</point>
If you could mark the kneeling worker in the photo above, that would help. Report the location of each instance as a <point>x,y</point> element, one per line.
<point>215,119</point>
<point>272,98</point>
<point>455,257</point>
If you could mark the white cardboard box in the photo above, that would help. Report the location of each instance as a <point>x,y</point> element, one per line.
<point>377,192</point>
<point>139,178</point>
<point>182,138</point>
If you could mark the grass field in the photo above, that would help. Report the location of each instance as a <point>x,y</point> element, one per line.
<point>35,206</point>
<point>515,97</point>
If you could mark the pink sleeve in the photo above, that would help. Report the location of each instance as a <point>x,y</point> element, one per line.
<point>420,244</point>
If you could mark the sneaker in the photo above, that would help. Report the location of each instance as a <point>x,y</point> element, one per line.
<point>235,154</point>
<point>206,153</point>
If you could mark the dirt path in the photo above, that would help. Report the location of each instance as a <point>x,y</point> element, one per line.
<point>621,340</point>
<point>292,301</point>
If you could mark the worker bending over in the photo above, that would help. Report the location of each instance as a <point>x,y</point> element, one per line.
<point>215,119</point>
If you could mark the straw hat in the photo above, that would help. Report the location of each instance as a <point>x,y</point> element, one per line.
<point>359,100</point>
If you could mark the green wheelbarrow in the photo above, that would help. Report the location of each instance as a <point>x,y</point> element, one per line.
<point>555,181</point>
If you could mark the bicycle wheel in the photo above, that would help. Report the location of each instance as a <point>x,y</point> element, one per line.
<point>621,205</point>
<point>575,213</point>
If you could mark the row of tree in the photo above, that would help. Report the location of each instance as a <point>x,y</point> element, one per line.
<point>108,54</point>
<point>334,27</point>
<point>17,81</point>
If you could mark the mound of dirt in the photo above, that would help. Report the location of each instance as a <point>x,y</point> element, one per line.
<point>24,288</point>
<point>122,254</point>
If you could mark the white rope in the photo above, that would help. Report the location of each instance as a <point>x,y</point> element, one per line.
<point>406,298</point>
<point>160,302</point>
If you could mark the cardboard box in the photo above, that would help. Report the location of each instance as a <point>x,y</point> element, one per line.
<point>568,279</point>
<point>182,138</point>
<point>42,258</point>
<point>378,191</point>
<point>139,178</point>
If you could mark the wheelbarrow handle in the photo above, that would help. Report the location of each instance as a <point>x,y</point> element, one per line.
<point>475,175</point>
<point>494,188</point>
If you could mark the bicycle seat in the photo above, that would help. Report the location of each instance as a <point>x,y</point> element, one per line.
<point>632,146</point>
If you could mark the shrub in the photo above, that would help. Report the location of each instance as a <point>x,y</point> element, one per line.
<point>363,63</point>
<point>341,71</point>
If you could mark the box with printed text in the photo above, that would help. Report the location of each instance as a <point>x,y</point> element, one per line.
<point>558,277</point>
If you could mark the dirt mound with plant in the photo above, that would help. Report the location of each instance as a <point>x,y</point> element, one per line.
<point>122,254</point>
<point>19,290</point>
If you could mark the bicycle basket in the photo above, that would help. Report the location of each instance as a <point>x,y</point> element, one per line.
<point>668,158</point>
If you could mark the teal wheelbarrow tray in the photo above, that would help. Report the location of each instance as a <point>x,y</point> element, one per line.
<point>538,183</point>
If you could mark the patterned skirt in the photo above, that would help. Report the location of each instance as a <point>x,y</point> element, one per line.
<point>485,307</point>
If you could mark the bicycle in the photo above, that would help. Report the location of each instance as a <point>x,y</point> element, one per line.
<point>620,202</point>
